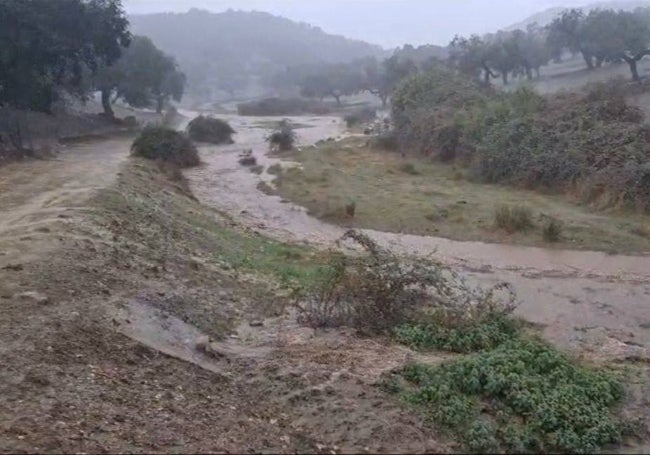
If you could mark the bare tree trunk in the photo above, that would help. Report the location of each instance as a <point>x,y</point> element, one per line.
<point>634,69</point>
<point>106,103</point>
<point>633,63</point>
<point>588,60</point>
<point>529,73</point>
<point>504,77</point>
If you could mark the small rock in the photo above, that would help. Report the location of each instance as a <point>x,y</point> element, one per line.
<point>13,267</point>
<point>256,323</point>
<point>34,296</point>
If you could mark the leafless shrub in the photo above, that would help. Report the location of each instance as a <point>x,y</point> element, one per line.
<point>377,292</point>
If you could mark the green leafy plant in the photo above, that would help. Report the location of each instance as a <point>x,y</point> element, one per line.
<point>523,396</point>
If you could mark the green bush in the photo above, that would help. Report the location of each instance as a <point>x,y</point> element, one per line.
<point>523,396</point>
<point>283,137</point>
<point>163,144</point>
<point>513,219</point>
<point>212,130</point>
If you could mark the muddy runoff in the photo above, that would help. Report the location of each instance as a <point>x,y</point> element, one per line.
<point>584,300</point>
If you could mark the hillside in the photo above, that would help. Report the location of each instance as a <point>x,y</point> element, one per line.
<point>231,50</point>
<point>546,17</point>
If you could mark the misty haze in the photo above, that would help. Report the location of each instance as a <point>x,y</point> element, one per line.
<point>363,226</point>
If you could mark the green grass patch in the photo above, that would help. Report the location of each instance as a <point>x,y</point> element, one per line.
<point>291,265</point>
<point>523,396</point>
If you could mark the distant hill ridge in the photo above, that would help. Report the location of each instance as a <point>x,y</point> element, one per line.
<point>216,49</point>
<point>546,17</point>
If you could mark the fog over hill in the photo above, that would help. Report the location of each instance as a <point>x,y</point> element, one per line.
<point>390,23</point>
<point>226,49</point>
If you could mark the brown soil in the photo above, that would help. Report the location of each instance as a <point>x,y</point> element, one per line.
<point>96,252</point>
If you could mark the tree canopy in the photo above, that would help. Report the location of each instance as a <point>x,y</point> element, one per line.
<point>46,46</point>
<point>144,76</point>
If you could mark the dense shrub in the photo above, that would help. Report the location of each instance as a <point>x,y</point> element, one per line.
<point>363,115</point>
<point>209,129</point>
<point>163,144</point>
<point>590,141</point>
<point>283,137</point>
<point>282,106</point>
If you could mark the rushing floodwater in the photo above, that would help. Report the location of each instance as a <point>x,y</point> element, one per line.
<point>578,295</point>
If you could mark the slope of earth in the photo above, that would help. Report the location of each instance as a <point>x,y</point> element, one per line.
<point>113,282</point>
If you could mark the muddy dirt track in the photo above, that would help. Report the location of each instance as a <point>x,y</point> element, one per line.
<point>99,338</point>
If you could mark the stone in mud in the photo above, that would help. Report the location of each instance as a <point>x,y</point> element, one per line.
<point>33,296</point>
<point>256,323</point>
<point>205,345</point>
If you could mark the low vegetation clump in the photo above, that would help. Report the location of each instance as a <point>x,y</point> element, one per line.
<point>360,116</point>
<point>379,292</point>
<point>590,141</point>
<point>283,138</point>
<point>209,129</point>
<point>464,334</point>
<point>409,168</point>
<point>385,141</point>
<point>246,158</point>
<point>552,231</point>
<point>166,145</point>
<point>523,396</point>
<point>513,219</point>
<point>282,106</point>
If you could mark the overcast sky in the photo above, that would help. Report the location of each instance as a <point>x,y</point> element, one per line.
<point>387,22</point>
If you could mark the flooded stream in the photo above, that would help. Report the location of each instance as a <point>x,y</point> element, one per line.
<point>579,297</point>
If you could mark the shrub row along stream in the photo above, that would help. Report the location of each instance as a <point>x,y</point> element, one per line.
<point>589,143</point>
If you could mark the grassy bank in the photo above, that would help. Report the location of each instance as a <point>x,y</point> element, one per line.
<point>418,196</point>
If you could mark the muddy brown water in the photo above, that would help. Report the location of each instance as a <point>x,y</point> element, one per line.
<point>582,298</point>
